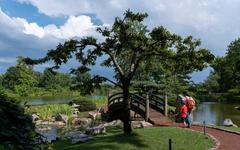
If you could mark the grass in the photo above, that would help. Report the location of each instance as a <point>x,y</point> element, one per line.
<point>100,102</point>
<point>142,139</point>
<point>47,111</point>
<point>237,129</point>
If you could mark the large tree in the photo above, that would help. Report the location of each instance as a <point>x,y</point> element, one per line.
<point>20,78</point>
<point>228,67</point>
<point>125,45</point>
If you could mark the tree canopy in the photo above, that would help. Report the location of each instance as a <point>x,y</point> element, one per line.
<point>125,45</point>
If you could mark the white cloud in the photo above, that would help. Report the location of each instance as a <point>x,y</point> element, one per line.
<point>18,37</point>
<point>74,27</point>
<point>216,22</point>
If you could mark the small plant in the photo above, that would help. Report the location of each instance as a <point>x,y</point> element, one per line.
<point>84,104</point>
<point>48,111</point>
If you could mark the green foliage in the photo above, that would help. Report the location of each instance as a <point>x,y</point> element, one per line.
<point>85,104</point>
<point>16,130</point>
<point>228,67</point>
<point>20,79</point>
<point>127,44</point>
<point>100,102</point>
<point>54,80</point>
<point>234,91</point>
<point>142,139</point>
<point>48,111</point>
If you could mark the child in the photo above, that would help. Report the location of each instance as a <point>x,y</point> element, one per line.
<point>183,113</point>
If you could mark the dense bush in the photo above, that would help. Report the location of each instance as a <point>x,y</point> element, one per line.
<point>16,128</point>
<point>84,104</point>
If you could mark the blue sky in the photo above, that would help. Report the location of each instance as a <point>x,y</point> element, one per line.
<point>31,27</point>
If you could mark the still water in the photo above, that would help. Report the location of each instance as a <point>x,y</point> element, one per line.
<point>215,113</point>
<point>211,112</point>
<point>55,100</point>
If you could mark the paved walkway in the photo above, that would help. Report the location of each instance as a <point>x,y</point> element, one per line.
<point>228,141</point>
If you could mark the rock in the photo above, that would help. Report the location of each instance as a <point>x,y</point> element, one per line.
<point>136,124</point>
<point>234,125</point>
<point>81,121</point>
<point>227,122</point>
<point>96,130</point>
<point>59,123</point>
<point>77,136</point>
<point>75,105</point>
<point>100,110</point>
<point>145,124</point>
<point>113,123</point>
<point>35,117</point>
<point>75,111</point>
<point>93,115</point>
<point>237,107</point>
<point>41,129</point>
<point>62,117</point>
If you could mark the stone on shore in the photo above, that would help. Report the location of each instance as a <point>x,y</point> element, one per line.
<point>62,117</point>
<point>81,121</point>
<point>96,130</point>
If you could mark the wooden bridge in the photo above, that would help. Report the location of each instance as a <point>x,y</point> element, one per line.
<point>152,107</point>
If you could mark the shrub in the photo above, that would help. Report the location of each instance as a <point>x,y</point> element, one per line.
<point>85,104</point>
<point>16,130</point>
<point>233,91</point>
<point>47,111</point>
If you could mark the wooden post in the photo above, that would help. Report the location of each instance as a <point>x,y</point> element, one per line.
<point>204,128</point>
<point>147,108</point>
<point>170,144</point>
<point>165,104</point>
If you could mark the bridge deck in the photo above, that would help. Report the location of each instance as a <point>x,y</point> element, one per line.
<point>158,118</point>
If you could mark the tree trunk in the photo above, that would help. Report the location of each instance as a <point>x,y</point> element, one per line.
<point>126,112</point>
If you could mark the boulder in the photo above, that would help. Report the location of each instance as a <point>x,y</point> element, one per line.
<point>81,121</point>
<point>237,107</point>
<point>94,115</point>
<point>228,122</point>
<point>35,117</point>
<point>136,124</point>
<point>62,117</point>
<point>113,123</point>
<point>77,136</point>
<point>59,123</point>
<point>145,124</point>
<point>96,130</point>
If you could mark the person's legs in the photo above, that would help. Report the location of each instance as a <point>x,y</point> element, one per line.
<point>184,122</point>
<point>188,120</point>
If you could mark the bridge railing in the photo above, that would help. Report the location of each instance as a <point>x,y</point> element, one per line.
<point>140,102</point>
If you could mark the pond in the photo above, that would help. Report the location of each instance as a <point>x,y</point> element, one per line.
<point>55,100</point>
<point>215,113</point>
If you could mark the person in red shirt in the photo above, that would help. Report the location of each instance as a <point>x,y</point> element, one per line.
<point>183,113</point>
<point>190,103</point>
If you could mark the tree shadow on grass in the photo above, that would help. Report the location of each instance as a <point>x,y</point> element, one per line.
<point>115,139</point>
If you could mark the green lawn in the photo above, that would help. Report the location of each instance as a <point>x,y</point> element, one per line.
<point>142,139</point>
<point>229,128</point>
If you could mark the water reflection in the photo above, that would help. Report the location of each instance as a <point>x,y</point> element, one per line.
<point>215,113</point>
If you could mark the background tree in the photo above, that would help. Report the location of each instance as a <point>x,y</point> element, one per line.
<point>126,44</point>
<point>20,78</point>
<point>211,83</point>
<point>227,68</point>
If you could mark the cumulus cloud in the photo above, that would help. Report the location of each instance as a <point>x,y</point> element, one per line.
<point>216,22</point>
<point>18,37</point>
<point>74,27</point>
